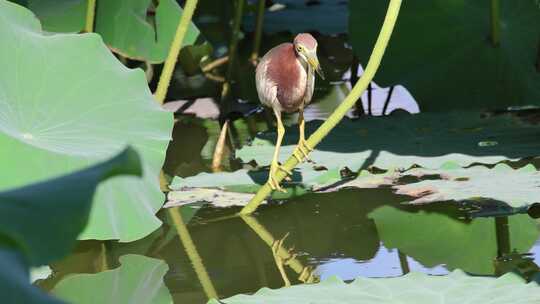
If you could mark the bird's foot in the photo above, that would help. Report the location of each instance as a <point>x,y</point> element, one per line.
<point>272,180</point>
<point>282,261</point>
<point>302,150</point>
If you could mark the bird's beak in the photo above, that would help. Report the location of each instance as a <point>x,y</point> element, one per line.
<point>314,63</point>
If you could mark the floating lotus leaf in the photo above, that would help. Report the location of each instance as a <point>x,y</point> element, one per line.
<point>517,188</point>
<point>67,103</point>
<point>416,288</point>
<point>139,279</point>
<point>429,140</point>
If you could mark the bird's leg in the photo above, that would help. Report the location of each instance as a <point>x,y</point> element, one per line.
<point>302,149</point>
<point>272,180</point>
<point>281,262</point>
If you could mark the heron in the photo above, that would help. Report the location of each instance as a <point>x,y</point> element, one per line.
<point>285,80</point>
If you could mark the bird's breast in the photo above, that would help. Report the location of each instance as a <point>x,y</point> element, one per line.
<point>288,74</point>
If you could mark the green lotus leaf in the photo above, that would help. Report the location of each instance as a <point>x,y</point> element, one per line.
<point>434,239</point>
<point>429,140</point>
<point>416,288</point>
<point>124,27</point>
<point>67,103</point>
<point>55,210</point>
<point>66,16</point>
<point>139,279</point>
<point>442,53</point>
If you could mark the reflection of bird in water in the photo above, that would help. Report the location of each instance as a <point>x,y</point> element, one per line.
<point>285,80</point>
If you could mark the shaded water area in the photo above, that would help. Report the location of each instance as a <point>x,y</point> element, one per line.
<point>349,233</point>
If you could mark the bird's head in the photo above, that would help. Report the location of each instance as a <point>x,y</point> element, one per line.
<point>305,47</point>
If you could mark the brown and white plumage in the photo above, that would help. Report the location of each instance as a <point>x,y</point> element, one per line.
<point>285,79</point>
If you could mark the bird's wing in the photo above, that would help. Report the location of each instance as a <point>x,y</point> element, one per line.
<point>266,88</point>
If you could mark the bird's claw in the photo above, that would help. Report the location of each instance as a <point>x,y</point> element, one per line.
<point>302,150</point>
<point>272,181</point>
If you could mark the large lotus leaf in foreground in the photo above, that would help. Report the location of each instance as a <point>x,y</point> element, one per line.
<point>39,223</point>
<point>442,53</point>
<point>413,288</point>
<point>66,103</point>
<point>139,279</point>
<point>434,239</point>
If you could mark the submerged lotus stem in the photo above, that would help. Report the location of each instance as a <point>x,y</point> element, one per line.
<point>193,255</point>
<point>174,51</point>
<point>341,110</point>
<point>90,16</point>
<point>258,32</point>
<point>495,23</point>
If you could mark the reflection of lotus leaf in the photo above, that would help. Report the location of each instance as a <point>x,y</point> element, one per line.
<point>66,103</point>
<point>434,239</point>
<point>441,51</point>
<point>413,288</point>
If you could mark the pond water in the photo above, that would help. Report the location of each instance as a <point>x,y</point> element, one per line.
<point>349,233</point>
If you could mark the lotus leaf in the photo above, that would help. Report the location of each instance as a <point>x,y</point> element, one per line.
<point>416,288</point>
<point>67,103</point>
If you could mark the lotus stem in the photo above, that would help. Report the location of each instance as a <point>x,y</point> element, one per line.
<point>193,255</point>
<point>220,148</point>
<point>170,62</point>
<point>225,91</point>
<point>341,110</point>
<point>258,31</point>
<point>495,23</point>
<point>90,15</point>
<point>214,64</point>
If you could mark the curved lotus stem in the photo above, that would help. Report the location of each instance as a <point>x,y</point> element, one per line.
<point>339,113</point>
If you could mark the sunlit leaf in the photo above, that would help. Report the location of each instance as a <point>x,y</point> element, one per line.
<point>67,103</point>
<point>456,287</point>
<point>138,280</point>
<point>429,140</point>
<point>516,188</point>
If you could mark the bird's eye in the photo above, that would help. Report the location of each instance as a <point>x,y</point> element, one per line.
<point>299,48</point>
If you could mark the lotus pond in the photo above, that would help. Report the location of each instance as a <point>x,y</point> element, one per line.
<point>134,153</point>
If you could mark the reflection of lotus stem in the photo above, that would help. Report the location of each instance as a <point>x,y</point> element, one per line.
<point>104,265</point>
<point>168,68</point>
<point>495,23</point>
<point>90,15</point>
<point>192,253</point>
<point>306,273</point>
<point>341,110</point>
<point>258,31</point>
